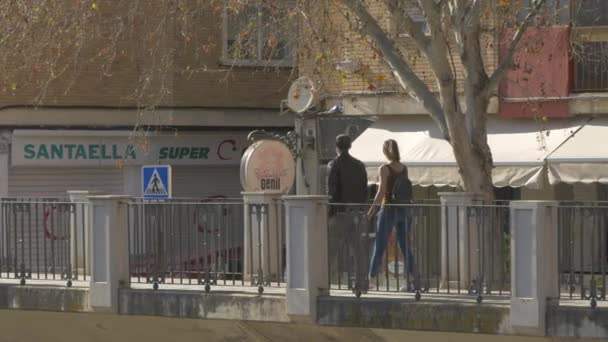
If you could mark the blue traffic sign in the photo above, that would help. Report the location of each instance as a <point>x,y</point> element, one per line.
<point>156,182</point>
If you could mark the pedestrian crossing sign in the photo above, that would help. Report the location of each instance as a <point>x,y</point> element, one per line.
<point>156,182</point>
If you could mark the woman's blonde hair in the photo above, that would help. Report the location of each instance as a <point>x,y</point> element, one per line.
<point>391,150</point>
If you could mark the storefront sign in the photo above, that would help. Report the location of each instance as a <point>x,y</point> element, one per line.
<point>267,166</point>
<point>99,148</point>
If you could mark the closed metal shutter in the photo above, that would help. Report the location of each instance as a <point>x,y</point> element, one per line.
<point>45,225</point>
<point>55,182</point>
<point>206,181</point>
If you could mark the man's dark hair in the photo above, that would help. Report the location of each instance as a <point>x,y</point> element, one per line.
<point>343,142</point>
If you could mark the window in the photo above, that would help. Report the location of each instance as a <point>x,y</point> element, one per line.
<point>582,13</point>
<point>552,12</point>
<point>418,18</point>
<point>590,66</point>
<point>261,33</point>
<point>589,12</point>
<point>590,56</point>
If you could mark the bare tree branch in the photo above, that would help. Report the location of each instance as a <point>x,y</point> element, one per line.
<point>432,13</point>
<point>467,29</point>
<point>402,71</point>
<point>399,11</point>
<point>440,58</point>
<point>507,60</point>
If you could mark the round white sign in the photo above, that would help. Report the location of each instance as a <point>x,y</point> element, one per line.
<point>268,166</point>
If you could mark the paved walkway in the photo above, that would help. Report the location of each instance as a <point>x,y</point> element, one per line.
<point>59,327</point>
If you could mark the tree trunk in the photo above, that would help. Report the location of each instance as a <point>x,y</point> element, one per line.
<point>474,156</point>
<point>475,171</point>
<point>468,135</point>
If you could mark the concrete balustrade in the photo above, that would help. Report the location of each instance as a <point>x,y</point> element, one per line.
<point>109,251</point>
<point>534,268</point>
<point>533,263</point>
<point>307,255</point>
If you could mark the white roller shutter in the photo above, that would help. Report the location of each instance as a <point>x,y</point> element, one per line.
<point>205,181</point>
<point>54,182</point>
<point>45,225</point>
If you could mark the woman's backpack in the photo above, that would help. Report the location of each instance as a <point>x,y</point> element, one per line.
<point>401,192</point>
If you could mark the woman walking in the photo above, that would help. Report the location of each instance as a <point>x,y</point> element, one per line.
<point>394,189</point>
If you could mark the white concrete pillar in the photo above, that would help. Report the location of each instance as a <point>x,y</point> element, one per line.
<point>307,260</point>
<point>4,166</point>
<point>263,236</point>
<point>534,264</point>
<point>109,251</point>
<point>4,163</point>
<point>459,259</point>
<point>80,231</point>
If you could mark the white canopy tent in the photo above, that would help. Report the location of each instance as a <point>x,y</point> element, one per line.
<point>519,148</point>
<point>583,158</point>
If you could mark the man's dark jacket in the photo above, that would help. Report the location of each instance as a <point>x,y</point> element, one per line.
<point>347,181</point>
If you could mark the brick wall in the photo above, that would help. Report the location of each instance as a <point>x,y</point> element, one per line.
<point>318,58</point>
<point>193,76</point>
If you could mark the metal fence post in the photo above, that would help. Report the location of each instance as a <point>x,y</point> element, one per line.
<point>109,250</point>
<point>534,263</point>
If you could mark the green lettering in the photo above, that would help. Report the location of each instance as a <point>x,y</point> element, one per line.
<point>56,151</point>
<point>173,152</point>
<point>204,153</point>
<point>163,153</point>
<point>29,151</point>
<point>183,151</point>
<point>81,152</point>
<point>93,151</point>
<point>70,148</point>
<point>194,153</point>
<point>42,152</point>
<point>130,152</point>
<point>115,154</point>
<point>104,155</point>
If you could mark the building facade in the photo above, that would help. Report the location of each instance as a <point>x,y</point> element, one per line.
<point>93,129</point>
<point>542,122</point>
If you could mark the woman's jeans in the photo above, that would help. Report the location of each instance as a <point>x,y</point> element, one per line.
<point>387,219</point>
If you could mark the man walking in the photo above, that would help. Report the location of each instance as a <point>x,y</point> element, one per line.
<point>346,184</point>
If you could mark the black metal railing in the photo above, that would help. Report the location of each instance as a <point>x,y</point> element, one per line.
<point>468,254</point>
<point>43,239</point>
<point>583,251</point>
<point>188,242</point>
<point>591,66</point>
<point>484,252</point>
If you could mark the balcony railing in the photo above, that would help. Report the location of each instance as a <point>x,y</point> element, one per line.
<point>591,66</point>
